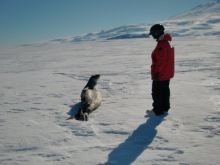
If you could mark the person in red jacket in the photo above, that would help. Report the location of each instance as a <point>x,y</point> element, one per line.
<point>162,70</point>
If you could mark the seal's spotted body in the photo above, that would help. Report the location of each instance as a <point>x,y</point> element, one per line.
<point>90,99</point>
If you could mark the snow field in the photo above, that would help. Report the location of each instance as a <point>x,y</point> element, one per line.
<point>41,86</point>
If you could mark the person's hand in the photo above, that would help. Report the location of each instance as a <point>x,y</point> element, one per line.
<point>156,76</point>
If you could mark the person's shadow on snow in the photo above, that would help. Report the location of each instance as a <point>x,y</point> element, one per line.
<point>127,152</point>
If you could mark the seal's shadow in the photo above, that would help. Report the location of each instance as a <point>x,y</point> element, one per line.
<point>127,152</point>
<point>74,109</point>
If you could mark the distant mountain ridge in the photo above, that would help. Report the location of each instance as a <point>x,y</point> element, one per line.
<point>203,20</point>
<point>211,7</point>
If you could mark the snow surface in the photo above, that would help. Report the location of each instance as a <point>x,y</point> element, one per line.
<point>41,86</point>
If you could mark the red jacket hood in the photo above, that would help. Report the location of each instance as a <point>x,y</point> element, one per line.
<point>165,37</point>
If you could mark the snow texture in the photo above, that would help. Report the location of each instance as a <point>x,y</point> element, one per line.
<point>41,85</point>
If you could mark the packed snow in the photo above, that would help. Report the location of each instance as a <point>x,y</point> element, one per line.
<point>41,86</point>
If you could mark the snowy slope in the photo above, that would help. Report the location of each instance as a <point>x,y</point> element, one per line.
<point>212,7</point>
<point>203,20</point>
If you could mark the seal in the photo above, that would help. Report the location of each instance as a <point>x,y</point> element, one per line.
<point>90,99</point>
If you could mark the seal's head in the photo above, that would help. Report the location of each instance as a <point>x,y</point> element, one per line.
<point>95,77</point>
<point>93,81</point>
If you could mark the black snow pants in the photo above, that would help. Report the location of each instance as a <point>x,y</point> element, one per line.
<point>161,96</point>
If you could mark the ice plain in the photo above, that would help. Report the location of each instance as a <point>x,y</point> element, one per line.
<point>41,86</point>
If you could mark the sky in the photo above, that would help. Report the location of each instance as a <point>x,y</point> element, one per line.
<point>29,21</point>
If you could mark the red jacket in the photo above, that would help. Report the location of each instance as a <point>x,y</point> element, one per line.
<point>163,58</point>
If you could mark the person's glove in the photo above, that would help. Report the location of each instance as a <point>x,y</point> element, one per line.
<point>156,76</point>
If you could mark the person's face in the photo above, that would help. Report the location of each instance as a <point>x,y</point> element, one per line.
<point>153,36</point>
